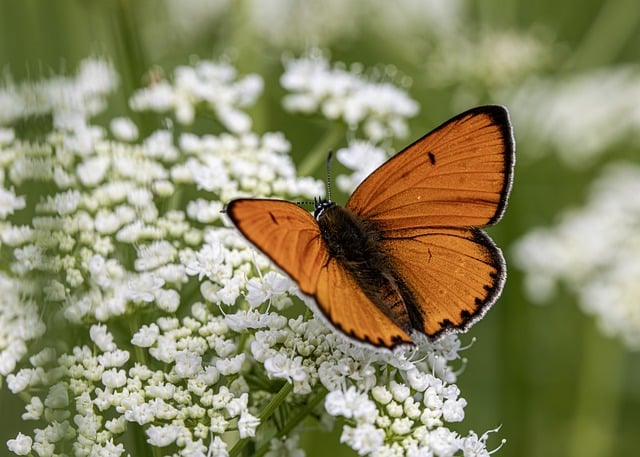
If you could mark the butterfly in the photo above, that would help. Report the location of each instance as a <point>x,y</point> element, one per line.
<point>406,254</point>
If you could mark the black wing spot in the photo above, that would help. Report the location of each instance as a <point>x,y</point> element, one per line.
<point>273,218</point>
<point>432,157</point>
<point>465,315</point>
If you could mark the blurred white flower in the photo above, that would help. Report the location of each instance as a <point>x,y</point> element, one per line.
<point>124,129</point>
<point>494,59</point>
<point>363,158</point>
<point>595,252</point>
<point>295,24</point>
<point>80,96</point>
<point>379,108</point>
<point>578,117</point>
<point>212,83</point>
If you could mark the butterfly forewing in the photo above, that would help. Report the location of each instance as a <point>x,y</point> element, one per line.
<point>286,233</point>
<point>459,175</point>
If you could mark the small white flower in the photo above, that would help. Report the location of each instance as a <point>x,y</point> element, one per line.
<point>102,338</point>
<point>93,170</point>
<point>363,158</point>
<point>204,211</point>
<point>218,448</point>
<point>124,129</point>
<point>364,438</point>
<point>444,442</point>
<point>20,445</point>
<point>399,391</point>
<point>285,447</point>
<point>247,425</point>
<point>7,135</point>
<point>188,364</point>
<point>281,366</point>
<point>34,409</point>
<point>231,365</point>
<point>10,202</point>
<point>401,426</point>
<point>162,436</point>
<point>453,410</point>
<point>114,378</point>
<point>167,300</point>
<point>237,406</point>
<point>144,286</point>
<point>270,285</point>
<point>350,404</point>
<point>114,359</point>
<point>381,394</point>
<point>154,255</point>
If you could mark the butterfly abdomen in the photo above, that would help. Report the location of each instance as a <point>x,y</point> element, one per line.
<point>355,243</point>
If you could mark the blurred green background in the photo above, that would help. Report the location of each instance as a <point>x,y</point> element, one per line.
<point>545,373</point>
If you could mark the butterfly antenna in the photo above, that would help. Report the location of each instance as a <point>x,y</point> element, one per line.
<point>329,157</point>
<point>317,201</point>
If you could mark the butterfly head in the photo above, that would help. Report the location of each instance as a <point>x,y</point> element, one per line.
<point>320,206</point>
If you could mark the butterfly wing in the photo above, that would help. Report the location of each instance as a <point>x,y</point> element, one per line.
<point>453,275</point>
<point>344,303</point>
<point>290,236</point>
<point>426,201</point>
<point>457,175</point>
<point>286,233</point>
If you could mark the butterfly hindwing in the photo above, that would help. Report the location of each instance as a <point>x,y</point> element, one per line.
<point>457,175</point>
<point>452,275</point>
<point>344,303</point>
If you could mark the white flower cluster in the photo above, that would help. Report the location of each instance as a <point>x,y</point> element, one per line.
<point>165,321</point>
<point>20,321</point>
<point>362,157</point>
<point>214,84</point>
<point>379,108</point>
<point>579,117</point>
<point>414,412</point>
<point>82,95</point>
<point>293,24</point>
<point>494,59</point>
<point>595,252</point>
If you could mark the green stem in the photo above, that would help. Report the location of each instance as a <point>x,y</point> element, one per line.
<point>614,25</point>
<point>293,422</point>
<point>313,159</point>
<point>598,397</point>
<point>266,413</point>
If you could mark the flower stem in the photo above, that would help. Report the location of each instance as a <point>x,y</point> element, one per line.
<point>266,413</point>
<point>293,422</point>
<point>312,161</point>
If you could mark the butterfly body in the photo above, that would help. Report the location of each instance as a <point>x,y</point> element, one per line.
<point>406,254</point>
<point>355,244</point>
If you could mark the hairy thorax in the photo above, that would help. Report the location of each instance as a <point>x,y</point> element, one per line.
<point>355,244</point>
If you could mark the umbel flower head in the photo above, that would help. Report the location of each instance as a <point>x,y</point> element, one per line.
<point>129,306</point>
<point>594,252</point>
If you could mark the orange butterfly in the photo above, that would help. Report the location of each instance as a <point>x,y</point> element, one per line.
<point>405,254</point>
